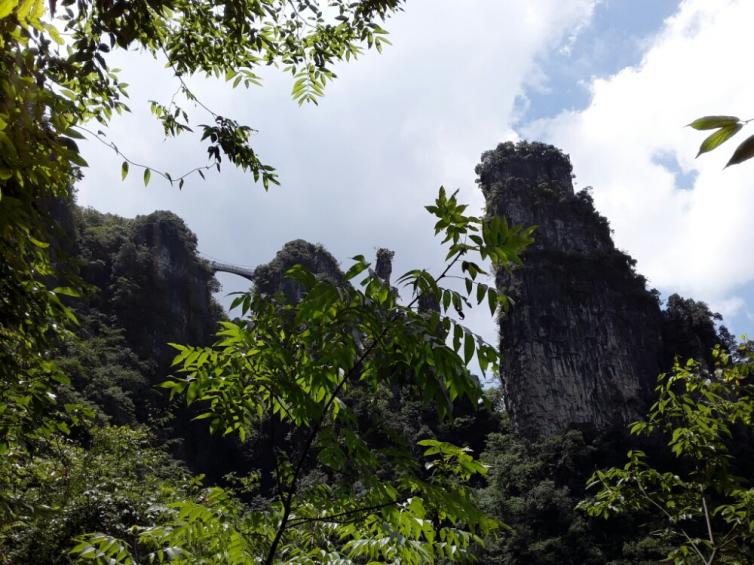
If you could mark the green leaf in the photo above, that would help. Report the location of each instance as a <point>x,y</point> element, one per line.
<point>147,176</point>
<point>6,7</point>
<point>66,291</point>
<point>481,290</point>
<point>468,347</point>
<point>40,244</point>
<point>492,300</point>
<point>718,138</point>
<point>124,170</point>
<point>357,268</point>
<point>77,159</point>
<point>446,299</point>
<point>743,152</point>
<point>70,132</point>
<point>713,122</point>
<point>301,274</point>
<point>457,335</point>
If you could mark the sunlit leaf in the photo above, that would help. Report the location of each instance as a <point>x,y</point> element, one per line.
<point>713,122</point>
<point>718,138</point>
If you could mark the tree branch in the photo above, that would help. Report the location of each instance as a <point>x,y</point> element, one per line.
<point>288,500</point>
<point>167,176</point>
<point>184,87</point>
<point>333,517</point>
<point>670,517</point>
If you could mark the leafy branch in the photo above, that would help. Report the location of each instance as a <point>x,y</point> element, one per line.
<point>704,506</point>
<point>338,515</point>
<point>295,359</point>
<point>127,162</point>
<point>348,375</point>
<point>725,128</point>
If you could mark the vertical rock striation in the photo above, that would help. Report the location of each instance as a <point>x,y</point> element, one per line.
<point>583,342</point>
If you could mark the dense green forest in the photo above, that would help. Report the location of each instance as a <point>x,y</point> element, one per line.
<point>333,415</point>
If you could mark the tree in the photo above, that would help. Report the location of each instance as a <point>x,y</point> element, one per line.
<point>121,477</point>
<point>703,501</point>
<point>534,486</point>
<point>338,338</point>
<point>63,88</point>
<point>52,89</point>
<point>345,489</point>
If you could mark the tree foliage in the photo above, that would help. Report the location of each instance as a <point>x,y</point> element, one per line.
<point>55,81</point>
<point>345,490</point>
<point>66,84</point>
<point>534,487</point>
<point>108,481</point>
<point>704,503</point>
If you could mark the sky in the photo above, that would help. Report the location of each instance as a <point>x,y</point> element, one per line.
<point>611,82</point>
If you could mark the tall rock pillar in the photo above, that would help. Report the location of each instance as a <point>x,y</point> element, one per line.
<point>582,342</point>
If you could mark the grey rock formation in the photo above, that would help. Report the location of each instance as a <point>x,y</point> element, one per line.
<point>583,342</point>
<point>271,277</point>
<point>384,264</point>
<point>157,276</point>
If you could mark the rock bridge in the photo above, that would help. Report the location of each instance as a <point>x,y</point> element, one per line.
<point>221,266</point>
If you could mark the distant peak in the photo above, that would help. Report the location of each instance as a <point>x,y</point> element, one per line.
<point>533,162</point>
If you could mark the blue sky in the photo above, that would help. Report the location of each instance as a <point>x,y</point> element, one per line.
<point>611,82</point>
<point>654,67</point>
<point>614,37</point>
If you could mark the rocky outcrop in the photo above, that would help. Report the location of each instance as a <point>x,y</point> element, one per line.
<point>271,277</point>
<point>148,278</point>
<point>148,288</point>
<point>585,340</point>
<point>383,265</point>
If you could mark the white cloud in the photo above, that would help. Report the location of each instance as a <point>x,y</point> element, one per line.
<point>693,241</point>
<point>358,169</point>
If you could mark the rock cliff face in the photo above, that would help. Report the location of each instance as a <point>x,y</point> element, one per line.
<point>584,342</point>
<point>148,288</point>
<point>149,276</point>
<point>271,277</point>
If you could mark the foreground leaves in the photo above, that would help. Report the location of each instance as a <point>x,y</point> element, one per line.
<point>50,95</point>
<point>727,127</point>
<point>700,504</point>
<point>348,489</point>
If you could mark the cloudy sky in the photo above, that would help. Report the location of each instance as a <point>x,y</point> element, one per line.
<point>611,82</point>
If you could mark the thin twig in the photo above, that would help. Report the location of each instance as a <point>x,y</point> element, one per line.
<point>670,517</point>
<point>171,179</point>
<point>186,90</point>
<point>706,518</point>
<point>305,22</point>
<point>709,530</point>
